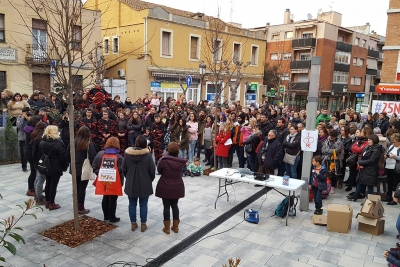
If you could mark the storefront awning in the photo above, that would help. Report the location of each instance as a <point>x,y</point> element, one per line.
<point>172,75</point>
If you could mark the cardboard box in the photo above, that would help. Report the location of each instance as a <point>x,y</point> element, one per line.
<point>339,218</point>
<point>369,225</point>
<point>319,219</point>
<point>372,207</point>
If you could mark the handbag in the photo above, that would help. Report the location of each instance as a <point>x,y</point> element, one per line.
<point>289,159</point>
<point>352,159</point>
<point>87,171</point>
<point>334,165</point>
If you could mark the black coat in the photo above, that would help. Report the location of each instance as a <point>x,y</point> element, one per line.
<point>273,154</point>
<point>369,159</point>
<point>134,128</point>
<point>55,150</point>
<point>80,156</point>
<point>253,140</point>
<point>265,128</point>
<point>139,171</point>
<point>292,148</point>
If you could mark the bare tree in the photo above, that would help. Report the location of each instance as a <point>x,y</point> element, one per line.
<point>71,31</point>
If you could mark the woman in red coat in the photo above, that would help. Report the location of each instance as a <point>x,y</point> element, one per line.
<point>222,150</point>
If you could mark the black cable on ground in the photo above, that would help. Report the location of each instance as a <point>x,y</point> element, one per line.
<point>188,241</point>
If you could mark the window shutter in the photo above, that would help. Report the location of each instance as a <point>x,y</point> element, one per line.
<point>1,21</point>
<point>165,43</point>
<point>39,24</point>
<point>193,47</point>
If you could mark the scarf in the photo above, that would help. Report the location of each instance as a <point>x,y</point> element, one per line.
<point>290,137</point>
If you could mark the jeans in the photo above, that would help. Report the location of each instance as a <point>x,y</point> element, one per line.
<point>81,186</point>
<point>222,162</point>
<point>240,154</point>
<point>132,141</point>
<point>51,187</point>
<point>251,162</point>
<point>361,189</point>
<point>182,153</point>
<point>291,170</point>
<point>24,162</point>
<point>143,208</point>
<point>398,225</point>
<point>109,206</point>
<point>317,197</point>
<point>170,204</point>
<point>281,168</point>
<point>38,185</point>
<point>192,146</point>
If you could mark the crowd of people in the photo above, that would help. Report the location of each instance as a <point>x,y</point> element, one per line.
<point>265,138</point>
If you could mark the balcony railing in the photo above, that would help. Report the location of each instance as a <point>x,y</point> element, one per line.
<point>304,86</point>
<point>300,64</point>
<point>345,47</point>
<point>39,55</point>
<point>380,56</point>
<point>373,53</point>
<point>341,67</point>
<point>303,43</point>
<point>371,72</point>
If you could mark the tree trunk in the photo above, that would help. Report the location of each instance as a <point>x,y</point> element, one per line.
<point>73,166</point>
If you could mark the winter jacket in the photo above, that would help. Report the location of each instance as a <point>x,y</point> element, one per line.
<point>222,150</point>
<point>292,148</point>
<point>384,125</point>
<point>36,104</point>
<point>296,121</point>
<point>394,257</point>
<point>327,150</point>
<point>273,153</point>
<point>21,123</point>
<point>195,169</point>
<point>97,162</point>
<point>181,135</point>
<point>80,156</point>
<point>321,178</point>
<point>322,118</point>
<point>170,185</point>
<point>139,171</point>
<point>253,141</point>
<point>193,128</point>
<point>282,133</point>
<point>358,146</point>
<point>266,127</point>
<point>134,128</point>
<point>28,144</point>
<point>368,175</point>
<point>55,150</point>
<point>246,132</point>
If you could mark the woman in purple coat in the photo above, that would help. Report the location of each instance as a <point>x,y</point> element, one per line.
<point>170,187</point>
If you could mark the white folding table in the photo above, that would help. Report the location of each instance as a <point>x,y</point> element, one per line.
<point>229,176</point>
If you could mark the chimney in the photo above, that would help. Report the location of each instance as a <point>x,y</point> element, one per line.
<point>268,24</point>
<point>286,18</point>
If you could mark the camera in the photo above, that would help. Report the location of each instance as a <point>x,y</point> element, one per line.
<point>27,111</point>
<point>65,118</point>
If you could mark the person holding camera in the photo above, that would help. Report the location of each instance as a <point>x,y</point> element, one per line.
<point>64,127</point>
<point>22,122</point>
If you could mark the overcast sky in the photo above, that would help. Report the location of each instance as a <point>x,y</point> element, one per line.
<point>256,13</point>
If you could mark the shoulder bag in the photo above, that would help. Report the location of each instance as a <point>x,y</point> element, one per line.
<point>290,159</point>
<point>87,171</point>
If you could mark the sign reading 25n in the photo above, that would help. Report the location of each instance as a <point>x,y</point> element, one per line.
<point>389,107</point>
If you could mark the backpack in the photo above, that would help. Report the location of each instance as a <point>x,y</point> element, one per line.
<point>282,208</point>
<point>44,164</point>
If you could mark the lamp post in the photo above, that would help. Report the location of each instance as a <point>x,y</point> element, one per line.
<point>344,92</point>
<point>202,70</point>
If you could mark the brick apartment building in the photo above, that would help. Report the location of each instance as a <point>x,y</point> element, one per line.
<point>349,60</point>
<point>389,86</point>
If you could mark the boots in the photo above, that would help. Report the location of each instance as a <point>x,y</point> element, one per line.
<point>175,224</point>
<point>134,226</point>
<point>81,209</point>
<point>47,204</point>
<point>143,227</point>
<point>54,206</point>
<point>340,183</point>
<point>167,225</point>
<point>31,192</point>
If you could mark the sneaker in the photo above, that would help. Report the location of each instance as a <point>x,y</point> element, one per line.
<point>332,191</point>
<point>348,189</point>
<point>192,175</point>
<point>318,212</point>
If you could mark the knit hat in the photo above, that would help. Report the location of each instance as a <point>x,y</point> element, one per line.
<point>242,116</point>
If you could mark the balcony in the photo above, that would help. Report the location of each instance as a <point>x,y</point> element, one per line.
<point>341,67</point>
<point>302,86</point>
<point>372,88</point>
<point>300,64</point>
<point>378,74</point>
<point>345,47</point>
<point>371,72</point>
<point>338,87</point>
<point>373,53</point>
<point>380,58</point>
<point>298,44</point>
<point>39,55</point>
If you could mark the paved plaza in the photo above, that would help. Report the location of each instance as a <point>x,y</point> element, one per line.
<point>269,243</point>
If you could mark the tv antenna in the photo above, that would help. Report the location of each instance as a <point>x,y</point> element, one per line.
<point>320,11</point>
<point>331,6</point>
<point>292,16</point>
<point>309,16</point>
<point>231,10</point>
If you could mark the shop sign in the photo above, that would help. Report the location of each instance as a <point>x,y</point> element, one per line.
<point>9,54</point>
<point>165,87</point>
<point>253,86</point>
<point>388,88</point>
<point>250,99</point>
<point>389,107</point>
<point>282,88</point>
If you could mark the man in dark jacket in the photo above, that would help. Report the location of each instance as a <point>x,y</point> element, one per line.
<point>265,125</point>
<point>270,154</point>
<point>150,118</point>
<point>383,123</point>
<point>282,132</point>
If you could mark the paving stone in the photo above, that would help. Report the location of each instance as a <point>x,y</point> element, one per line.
<point>279,261</point>
<point>348,245</point>
<point>64,261</point>
<point>358,255</point>
<point>303,234</point>
<point>349,261</point>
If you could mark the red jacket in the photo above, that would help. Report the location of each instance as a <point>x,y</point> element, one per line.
<point>222,150</point>
<point>355,148</point>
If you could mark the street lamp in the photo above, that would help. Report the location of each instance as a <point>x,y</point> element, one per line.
<point>202,70</point>
<point>344,92</point>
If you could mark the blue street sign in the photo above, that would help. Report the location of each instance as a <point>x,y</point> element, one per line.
<point>53,63</point>
<point>188,81</point>
<point>360,95</point>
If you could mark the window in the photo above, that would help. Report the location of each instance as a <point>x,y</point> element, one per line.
<point>275,36</point>
<point>192,93</point>
<point>76,43</point>
<point>254,55</point>
<point>307,35</point>
<point>166,43</point>
<point>217,50</point>
<point>194,47</point>
<point>236,52</point>
<point>274,56</point>
<point>3,80</point>
<point>115,44</point>
<point>2,29</point>
<point>356,80</point>
<point>106,45</point>
<point>340,77</point>
<point>305,57</point>
<point>342,57</point>
<point>340,39</point>
<point>360,62</point>
<point>39,39</point>
<point>364,43</point>
<point>287,56</point>
<point>354,61</point>
<point>357,41</point>
<point>289,35</point>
